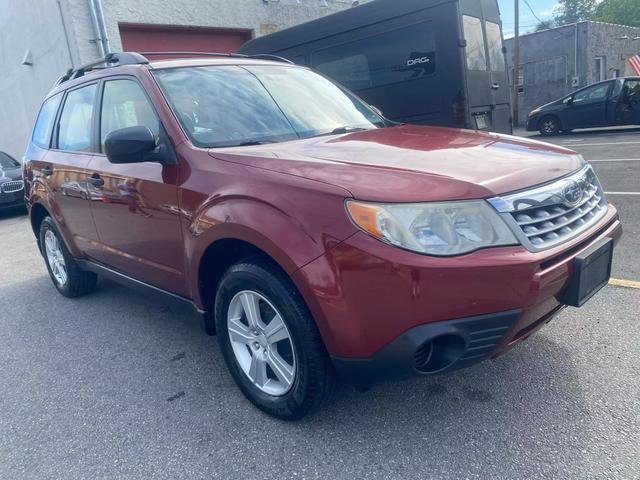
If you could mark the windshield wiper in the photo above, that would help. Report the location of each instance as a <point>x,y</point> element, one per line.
<point>341,130</point>
<point>249,143</point>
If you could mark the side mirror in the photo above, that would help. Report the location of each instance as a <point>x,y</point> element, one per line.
<point>569,101</point>
<point>129,145</point>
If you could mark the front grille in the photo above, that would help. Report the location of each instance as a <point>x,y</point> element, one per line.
<point>549,215</point>
<point>13,186</point>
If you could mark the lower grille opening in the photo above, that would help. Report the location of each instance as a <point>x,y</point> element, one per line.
<point>439,353</point>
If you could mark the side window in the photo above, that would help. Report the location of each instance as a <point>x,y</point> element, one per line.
<point>391,57</point>
<point>494,38</point>
<point>74,133</point>
<point>44,123</point>
<point>597,93</point>
<point>476,54</point>
<point>124,104</point>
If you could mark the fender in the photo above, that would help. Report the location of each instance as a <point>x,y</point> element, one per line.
<point>289,241</point>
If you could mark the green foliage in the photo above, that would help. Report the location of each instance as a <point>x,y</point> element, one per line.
<point>545,25</point>
<point>624,12</point>
<point>572,11</point>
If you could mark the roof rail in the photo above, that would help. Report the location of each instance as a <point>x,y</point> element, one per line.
<point>134,58</point>
<point>111,59</point>
<point>264,56</point>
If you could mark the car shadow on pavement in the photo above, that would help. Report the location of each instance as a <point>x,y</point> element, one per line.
<point>135,368</point>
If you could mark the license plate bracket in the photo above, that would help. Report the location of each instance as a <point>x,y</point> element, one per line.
<point>591,272</point>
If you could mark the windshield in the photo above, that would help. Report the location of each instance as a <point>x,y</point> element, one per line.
<point>222,106</point>
<point>7,162</point>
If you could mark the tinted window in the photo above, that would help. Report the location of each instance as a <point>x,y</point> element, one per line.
<point>7,162</point>
<point>476,55</point>
<point>597,93</point>
<point>494,39</point>
<point>124,104</point>
<point>75,121</point>
<point>391,57</point>
<point>232,105</point>
<point>44,123</point>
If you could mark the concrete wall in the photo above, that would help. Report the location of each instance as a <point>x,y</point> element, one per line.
<point>548,59</point>
<point>34,26</point>
<point>37,25</point>
<point>614,42</point>
<point>549,62</point>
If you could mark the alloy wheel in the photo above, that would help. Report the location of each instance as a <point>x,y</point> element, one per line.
<point>261,343</point>
<point>55,258</point>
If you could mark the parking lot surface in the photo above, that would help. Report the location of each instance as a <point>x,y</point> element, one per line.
<point>121,385</point>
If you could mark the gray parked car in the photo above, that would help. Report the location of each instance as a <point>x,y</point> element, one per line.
<point>11,184</point>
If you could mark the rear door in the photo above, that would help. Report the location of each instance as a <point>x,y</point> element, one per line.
<point>487,83</point>
<point>627,102</point>
<point>65,166</point>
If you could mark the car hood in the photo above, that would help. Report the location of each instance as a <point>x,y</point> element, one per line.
<point>413,163</point>
<point>10,174</point>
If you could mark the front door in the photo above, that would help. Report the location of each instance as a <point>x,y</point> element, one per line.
<point>135,206</point>
<point>587,108</point>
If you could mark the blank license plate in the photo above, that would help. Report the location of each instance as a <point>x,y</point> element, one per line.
<point>591,272</point>
<point>481,122</point>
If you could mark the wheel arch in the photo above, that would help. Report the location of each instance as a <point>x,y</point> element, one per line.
<point>37,214</point>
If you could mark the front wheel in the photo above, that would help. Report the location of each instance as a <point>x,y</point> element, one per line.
<point>270,342</point>
<point>549,126</point>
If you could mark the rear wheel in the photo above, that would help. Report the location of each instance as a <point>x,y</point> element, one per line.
<point>549,126</point>
<point>270,342</point>
<point>64,271</point>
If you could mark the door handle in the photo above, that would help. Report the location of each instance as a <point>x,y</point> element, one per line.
<point>47,171</point>
<point>495,86</point>
<point>95,180</point>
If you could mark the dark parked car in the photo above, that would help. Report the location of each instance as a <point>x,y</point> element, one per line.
<point>11,183</point>
<point>432,62</point>
<point>315,236</point>
<point>603,104</point>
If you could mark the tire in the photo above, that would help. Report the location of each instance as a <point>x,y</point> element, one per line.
<point>72,282</point>
<point>308,368</point>
<point>549,126</point>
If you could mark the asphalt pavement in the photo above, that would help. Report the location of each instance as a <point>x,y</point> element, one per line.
<point>121,385</point>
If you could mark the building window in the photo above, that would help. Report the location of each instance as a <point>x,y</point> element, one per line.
<point>601,68</point>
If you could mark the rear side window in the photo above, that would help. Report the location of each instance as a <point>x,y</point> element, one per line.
<point>124,104</point>
<point>44,123</point>
<point>391,57</point>
<point>494,39</point>
<point>74,132</point>
<point>476,55</point>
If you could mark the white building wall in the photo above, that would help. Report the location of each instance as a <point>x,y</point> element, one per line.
<point>37,25</point>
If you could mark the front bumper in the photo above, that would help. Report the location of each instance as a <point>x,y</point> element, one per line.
<point>12,200</point>
<point>377,305</point>
<point>532,123</point>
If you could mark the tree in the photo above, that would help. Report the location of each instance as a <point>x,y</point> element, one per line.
<point>545,25</point>
<point>572,11</point>
<point>623,12</point>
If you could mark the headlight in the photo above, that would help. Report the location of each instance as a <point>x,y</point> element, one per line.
<point>534,112</point>
<point>443,228</point>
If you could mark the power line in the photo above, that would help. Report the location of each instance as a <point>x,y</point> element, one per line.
<point>532,12</point>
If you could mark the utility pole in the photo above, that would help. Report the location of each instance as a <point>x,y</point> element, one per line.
<point>516,61</point>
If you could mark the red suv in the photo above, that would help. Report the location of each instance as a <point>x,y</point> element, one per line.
<point>313,235</point>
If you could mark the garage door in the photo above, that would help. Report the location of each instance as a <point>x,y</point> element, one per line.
<point>155,38</point>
